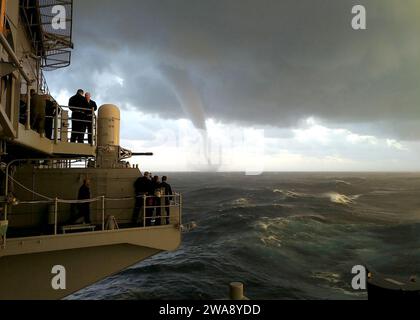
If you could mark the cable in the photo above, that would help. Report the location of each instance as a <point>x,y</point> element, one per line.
<point>29,190</point>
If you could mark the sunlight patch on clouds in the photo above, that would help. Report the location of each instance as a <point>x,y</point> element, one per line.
<point>396,145</point>
<point>62,97</point>
<point>316,133</point>
<point>359,139</point>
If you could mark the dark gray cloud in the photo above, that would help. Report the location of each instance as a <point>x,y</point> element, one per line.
<point>259,62</point>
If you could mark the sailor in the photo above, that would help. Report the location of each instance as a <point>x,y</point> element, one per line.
<point>51,110</point>
<point>78,105</point>
<point>84,208</point>
<point>142,188</point>
<point>92,107</point>
<point>167,192</point>
<point>38,105</point>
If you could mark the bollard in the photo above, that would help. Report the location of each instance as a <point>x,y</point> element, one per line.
<point>236,291</point>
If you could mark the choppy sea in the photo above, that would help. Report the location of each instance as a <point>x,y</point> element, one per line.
<point>284,235</point>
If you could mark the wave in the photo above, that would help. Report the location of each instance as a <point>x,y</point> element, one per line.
<point>334,197</point>
<point>343,182</point>
<point>242,203</point>
<point>290,194</point>
<point>341,198</point>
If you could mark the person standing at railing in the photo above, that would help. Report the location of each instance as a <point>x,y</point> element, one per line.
<point>157,200</point>
<point>51,111</point>
<point>89,116</point>
<point>167,192</point>
<point>84,208</point>
<point>78,105</point>
<point>142,188</point>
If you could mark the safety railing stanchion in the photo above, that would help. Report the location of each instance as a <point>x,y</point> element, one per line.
<point>28,109</point>
<point>103,213</point>
<point>144,211</point>
<point>55,216</point>
<point>56,125</point>
<point>180,210</point>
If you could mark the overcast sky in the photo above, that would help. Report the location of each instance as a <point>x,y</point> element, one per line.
<point>254,85</point>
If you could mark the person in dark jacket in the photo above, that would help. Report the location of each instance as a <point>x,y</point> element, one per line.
<point>38,106</point>
<point>167,192</point>
<point>51,110</point>
<point>92,107</point>
<point>78,105</point>
<point>84,208</point>
<point>143,187</point>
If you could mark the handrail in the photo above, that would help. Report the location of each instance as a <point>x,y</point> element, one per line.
<point>6,193</point>
<point>177,203</point>
<point>58,119</point>
<point>61,125</point>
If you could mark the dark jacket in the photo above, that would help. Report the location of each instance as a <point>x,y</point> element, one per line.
<point>143,186</point>
<point>51,108</point>
<point>92,106</point>
<point>84,193</point>
<point>79,105</point>
<point>155,186</point>
<point>168,188</point>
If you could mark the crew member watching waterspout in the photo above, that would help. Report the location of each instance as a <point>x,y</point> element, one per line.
<point>92,107</point>
<point>78,105</point>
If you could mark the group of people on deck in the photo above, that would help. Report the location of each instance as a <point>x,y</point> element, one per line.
<point>83,109</point>
<point>151,195</point>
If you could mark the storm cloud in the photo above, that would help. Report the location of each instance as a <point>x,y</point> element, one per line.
<point>269,62</point>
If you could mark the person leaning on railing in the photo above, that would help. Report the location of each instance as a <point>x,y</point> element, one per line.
<point>142,187</point>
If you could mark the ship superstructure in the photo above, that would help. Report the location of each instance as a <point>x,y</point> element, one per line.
<point>41,175</point>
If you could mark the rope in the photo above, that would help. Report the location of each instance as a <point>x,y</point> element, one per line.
<point>51,200</point>
<point>31,191</point>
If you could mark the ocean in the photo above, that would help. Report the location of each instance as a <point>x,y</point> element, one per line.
<point>284,235</point>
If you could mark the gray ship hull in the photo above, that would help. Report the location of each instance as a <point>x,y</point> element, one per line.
<point>29,276</point>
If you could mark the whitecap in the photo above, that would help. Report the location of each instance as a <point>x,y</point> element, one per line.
<point>340,198</point>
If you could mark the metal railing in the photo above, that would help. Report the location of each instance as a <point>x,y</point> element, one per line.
<point>168,212</point>
<point>150,212</point>
<point>57,124</point>
<point>63,132</point>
